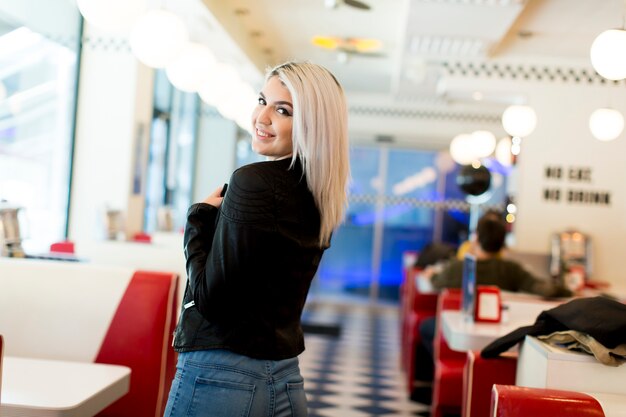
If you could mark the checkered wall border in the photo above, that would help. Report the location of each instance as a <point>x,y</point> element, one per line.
<point>458,205</point>
<point>530,72</point>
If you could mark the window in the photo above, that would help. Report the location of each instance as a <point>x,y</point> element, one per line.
<point>172,155</point>
<point>38,78</point>
<point>399,200</point>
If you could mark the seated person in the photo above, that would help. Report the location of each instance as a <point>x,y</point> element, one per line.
<point>466,246</point>
<point>491,269</point>
<point>434,253</point>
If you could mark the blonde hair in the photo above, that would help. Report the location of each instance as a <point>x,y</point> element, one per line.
<point>320,137</point>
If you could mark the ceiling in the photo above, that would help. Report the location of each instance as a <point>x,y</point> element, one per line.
<point>431,79</point>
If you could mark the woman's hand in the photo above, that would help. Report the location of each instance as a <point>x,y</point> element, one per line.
<point>214,198</point>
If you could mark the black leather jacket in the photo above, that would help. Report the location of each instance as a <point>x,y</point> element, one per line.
<point>250,264</point>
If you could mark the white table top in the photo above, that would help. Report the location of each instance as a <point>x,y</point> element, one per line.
<point>463,335</point>
<point>37,387</point>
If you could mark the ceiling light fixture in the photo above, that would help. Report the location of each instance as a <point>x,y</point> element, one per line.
<point>242,11</point>
<point>350,45</point>
<point>191,68</point>
<point>607,54</point>
<point>461,149</point>
<point>219,84</point>
<point>333,4</point>
<point>606,124</point>
<point>483,143</point>
<point>158,38</point>
<point>503,152</point>
<point>519,120</point>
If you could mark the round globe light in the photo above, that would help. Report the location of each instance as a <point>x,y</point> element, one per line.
<point>237,103</point>
<point>607,54</point>
<point>461,149</point>
<point>111,15</point>
<point>247,104</point>
<point>483,143</point>
<point>158,37</point>
<point>219,84</point>
<point>192,68</point>
<point>606,124</point>
<point>519,120</point>
<point>244,123</point>
<point>503,152</point>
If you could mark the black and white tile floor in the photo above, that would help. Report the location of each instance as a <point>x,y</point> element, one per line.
<point>356,374</point>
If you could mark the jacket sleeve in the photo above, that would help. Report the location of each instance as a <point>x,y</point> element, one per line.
<point>198,240</point>
<point>229,249</point>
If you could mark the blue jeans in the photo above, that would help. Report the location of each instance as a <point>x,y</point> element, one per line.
<point>220,383</point>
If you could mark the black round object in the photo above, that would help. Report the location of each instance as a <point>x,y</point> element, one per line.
<point>473,181</point>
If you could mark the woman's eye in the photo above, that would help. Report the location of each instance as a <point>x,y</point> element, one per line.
<point>261,101</point>
<point>283,111</point>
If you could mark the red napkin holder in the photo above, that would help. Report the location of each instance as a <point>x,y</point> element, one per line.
<point>488,307</point>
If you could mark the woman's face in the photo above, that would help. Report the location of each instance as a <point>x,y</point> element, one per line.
<point>272,121</point>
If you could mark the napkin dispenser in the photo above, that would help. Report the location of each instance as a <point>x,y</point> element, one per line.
<point>488,304</point>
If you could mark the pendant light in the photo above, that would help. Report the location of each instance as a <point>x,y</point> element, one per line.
<point>483,143</point>
<point>606,124</point>
<point>191,68</point>
<point>158,38</point>
<point>503,152</point>
<point>608,55</point>
<point>461,149</point>
<point>519,120</point>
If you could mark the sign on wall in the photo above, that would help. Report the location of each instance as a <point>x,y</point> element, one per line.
<point>575,187</point>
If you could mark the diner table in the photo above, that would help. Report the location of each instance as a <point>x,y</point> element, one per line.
<point>52,388</point>
<point>518,310</point>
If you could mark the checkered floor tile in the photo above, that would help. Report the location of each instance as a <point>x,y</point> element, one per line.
<point>356,374</point>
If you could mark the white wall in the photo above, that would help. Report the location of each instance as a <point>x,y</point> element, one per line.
<point>562,139</point>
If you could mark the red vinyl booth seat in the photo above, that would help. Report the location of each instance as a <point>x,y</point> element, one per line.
<point>140,337</point>
<point>415,307</point>
<point>479,376</point>
<point>449,364</point>
<point>83,312</point>
<point>513,401</point>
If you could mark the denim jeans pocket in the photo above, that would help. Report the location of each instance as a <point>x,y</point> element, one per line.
<point>215,398</point>
<point>297,398</point>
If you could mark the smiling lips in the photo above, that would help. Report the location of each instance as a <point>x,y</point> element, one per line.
<point>261,134</point>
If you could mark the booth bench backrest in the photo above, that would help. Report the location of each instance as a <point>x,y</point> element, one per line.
<point>146,256</point>
<point>514,401</point>
<point>94,313</point>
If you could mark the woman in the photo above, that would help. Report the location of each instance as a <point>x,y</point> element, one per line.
<point>252,254</point>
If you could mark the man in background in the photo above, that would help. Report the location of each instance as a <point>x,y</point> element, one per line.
<point>491,269</point>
